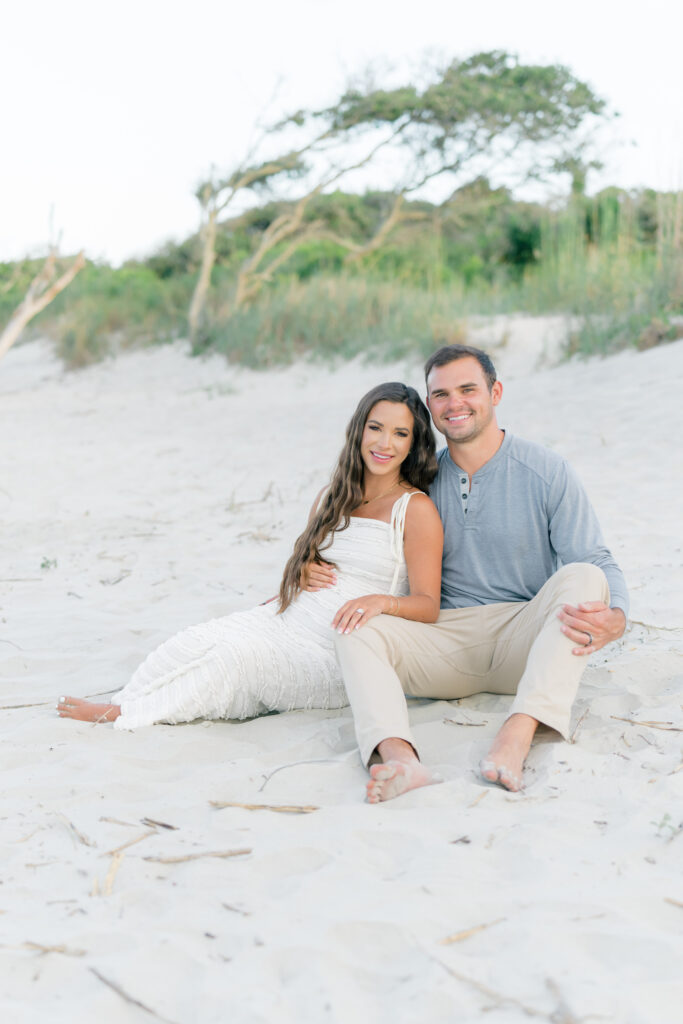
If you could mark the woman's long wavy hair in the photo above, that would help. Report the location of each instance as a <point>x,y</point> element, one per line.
<point>345,492</point>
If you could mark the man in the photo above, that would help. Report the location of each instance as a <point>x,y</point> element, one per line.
<point>528,591</point>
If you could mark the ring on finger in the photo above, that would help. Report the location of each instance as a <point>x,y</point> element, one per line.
<point>359,611</point>
<point>590,637</point>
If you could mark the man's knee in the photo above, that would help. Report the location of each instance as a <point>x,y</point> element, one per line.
<point>582,581</point>
<point>372,635</point>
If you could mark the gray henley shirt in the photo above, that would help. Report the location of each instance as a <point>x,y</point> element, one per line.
<point>524,517</point>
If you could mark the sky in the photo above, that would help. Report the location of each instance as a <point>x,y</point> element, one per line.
<point>112,113</point>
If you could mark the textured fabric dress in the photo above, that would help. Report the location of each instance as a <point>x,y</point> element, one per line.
<point>256,661</point>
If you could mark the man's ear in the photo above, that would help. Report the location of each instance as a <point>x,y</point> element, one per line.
<point>496,392</point>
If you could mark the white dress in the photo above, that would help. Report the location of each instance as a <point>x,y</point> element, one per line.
<point>256,661</point>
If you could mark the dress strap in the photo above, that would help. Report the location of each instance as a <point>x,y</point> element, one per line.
<point>397,527</point>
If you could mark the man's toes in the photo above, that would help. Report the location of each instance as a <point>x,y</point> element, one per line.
<point>374,791</point>
<point>489,770</point>
<point>508,780</point>
<point>493,772</point>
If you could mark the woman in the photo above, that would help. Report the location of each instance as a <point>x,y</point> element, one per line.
<point>382,533</point>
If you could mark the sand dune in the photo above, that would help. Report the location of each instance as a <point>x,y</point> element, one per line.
<point>155,491</point>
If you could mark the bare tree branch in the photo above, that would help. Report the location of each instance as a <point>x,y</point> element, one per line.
<point>40,293</point>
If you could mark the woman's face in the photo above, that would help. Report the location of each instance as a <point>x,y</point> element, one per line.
<point>387,438</point>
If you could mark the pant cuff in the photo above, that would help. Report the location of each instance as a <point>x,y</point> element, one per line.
<point>371,741</point>
<point>560,722</point>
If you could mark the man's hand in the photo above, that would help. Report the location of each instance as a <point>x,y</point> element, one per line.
<point>317,576</point>
<point>591,625</point>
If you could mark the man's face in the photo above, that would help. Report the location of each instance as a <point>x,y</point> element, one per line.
<point>459,400</point>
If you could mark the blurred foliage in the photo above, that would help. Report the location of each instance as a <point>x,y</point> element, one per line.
<point>613,263</point>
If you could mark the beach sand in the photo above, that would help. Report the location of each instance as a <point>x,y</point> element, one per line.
<point>153,491</point>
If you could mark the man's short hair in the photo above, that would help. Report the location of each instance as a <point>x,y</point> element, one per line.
<point>451,353</point>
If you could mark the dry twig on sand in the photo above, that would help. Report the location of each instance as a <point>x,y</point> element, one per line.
<point>499,999</point>
<point>465,934</point>
<point>108,883</point>
<point>131,842</point>
<point>197,856</point>
<point>75,832</point>
<point>650,625</point>
<point>560,1015</point>
<point>38,947</point>
<point>236,910</point>
<point>294,764</point>
<point>667,726</point>
<point>455,721</point>
<point>124,995</point>
<point>479,798</point>
<point>158,824</point>
<point>281,808</point>
<point>572,738</point>
<point>673,902</point>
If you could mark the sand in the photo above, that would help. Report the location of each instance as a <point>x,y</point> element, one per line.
<point>153,491</point>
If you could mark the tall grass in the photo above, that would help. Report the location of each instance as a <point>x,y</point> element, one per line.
<point>616,286</point>
<point>613,265</point>
<point>619,289</point>
<point>327,317</point>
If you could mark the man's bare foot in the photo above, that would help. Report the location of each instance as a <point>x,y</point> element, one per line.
<point>86,711</point>
<point>392,778</point>
<point>400,771</point>
<point>505,760</point>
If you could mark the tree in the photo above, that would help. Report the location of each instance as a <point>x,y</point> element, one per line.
<point>40,293</point>
<point>320,161</point>
<point>488,115</point>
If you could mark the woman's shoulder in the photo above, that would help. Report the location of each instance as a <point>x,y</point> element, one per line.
<point>420,509</point>
<point>418,498</point>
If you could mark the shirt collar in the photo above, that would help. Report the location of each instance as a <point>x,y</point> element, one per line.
<point>488,467</point>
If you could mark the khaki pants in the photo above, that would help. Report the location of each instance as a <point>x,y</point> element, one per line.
<point>515,647</point>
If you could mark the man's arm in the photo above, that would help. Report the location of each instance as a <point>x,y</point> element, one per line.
<point>576,537</point>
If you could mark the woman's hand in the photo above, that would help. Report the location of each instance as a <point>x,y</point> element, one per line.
<point>317,576</point>
<point>356,613</point>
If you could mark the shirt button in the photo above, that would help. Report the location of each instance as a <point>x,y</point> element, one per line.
<point>464,497</point>
<point>463,480</point>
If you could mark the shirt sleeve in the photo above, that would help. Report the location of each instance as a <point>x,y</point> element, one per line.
<point>575,533</point>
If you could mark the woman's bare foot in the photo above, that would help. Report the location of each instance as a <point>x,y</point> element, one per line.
<point>399,772</point>
<point>505,760</point>
<point>86,711</point>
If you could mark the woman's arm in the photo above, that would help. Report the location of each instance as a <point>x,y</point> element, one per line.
<point>305,583</point>
<point>423,549</point>
<point>317,575</point>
